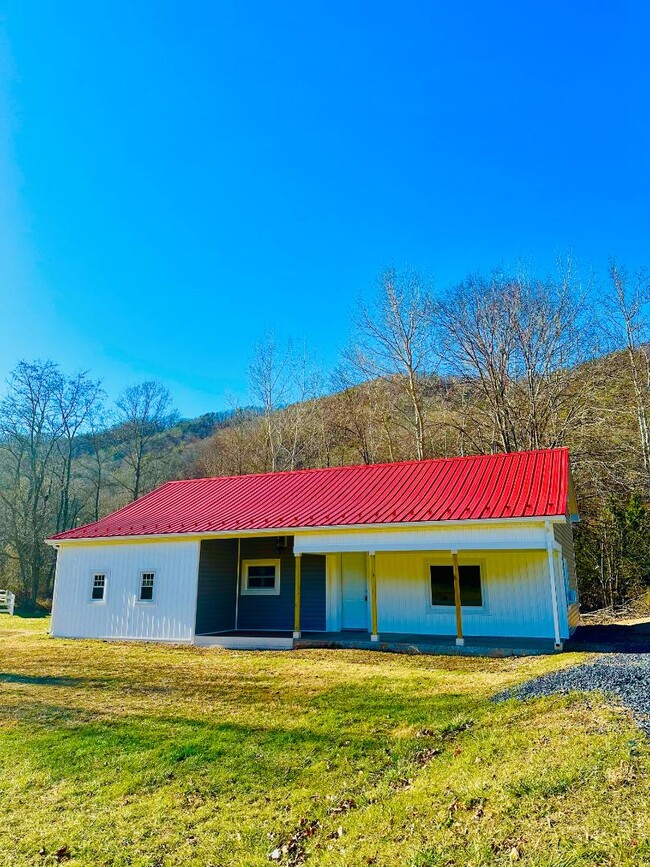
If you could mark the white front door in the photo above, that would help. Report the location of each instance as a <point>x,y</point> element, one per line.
<point>354,592</point>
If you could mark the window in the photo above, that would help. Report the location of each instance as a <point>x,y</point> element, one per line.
<point>99,587</point>
<point>442,585</point>
<point>260,577</point>
<point>146,586</point>
<point>571,595</point>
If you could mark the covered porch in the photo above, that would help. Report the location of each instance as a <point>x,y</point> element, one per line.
<point>412,595</point>
<point>256,591</point>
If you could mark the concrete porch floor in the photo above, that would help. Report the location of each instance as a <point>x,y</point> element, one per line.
<point>246,639</point>
<point>388,642</point>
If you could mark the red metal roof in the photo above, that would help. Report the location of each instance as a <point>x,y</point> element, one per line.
<point>516,485</point>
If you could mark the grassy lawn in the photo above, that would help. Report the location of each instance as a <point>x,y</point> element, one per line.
<point>116,754</point>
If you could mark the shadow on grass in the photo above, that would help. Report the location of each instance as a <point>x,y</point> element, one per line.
<point>142,753</point>
<point>42,680</point>
<point>349,724</point>
<point>116,684</point>
<point>31,613</point>
<point>356,703</point>
<point>617,638</point>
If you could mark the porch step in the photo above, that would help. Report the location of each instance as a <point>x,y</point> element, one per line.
<point>391,643</point>
<point>419,645</point>
<point>245,642</point>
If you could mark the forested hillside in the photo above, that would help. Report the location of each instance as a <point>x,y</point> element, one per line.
<point>498,363</point>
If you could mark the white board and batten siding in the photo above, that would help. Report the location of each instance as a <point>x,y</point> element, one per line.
<point>170,616</point>
<point>515,591</point>
<point>478,535</point>
<point>514,572</point>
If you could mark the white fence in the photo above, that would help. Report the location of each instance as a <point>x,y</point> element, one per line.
<point>7,601</point>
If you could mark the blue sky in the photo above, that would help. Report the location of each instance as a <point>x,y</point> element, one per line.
<point>178,177</point>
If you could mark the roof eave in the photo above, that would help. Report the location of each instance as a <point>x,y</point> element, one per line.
<point>289,531</point>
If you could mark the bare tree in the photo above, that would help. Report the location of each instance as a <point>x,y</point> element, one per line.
<point>78,400</point>
<point>362,415</point>
<point>626,326</point>
<point>299,422</point>
<point>237,447</point>
<point>95,466</point>
<point>30,432</point>
<point>143,413</point>
<point>393,342</point>
<point>324,429</point>
<point>270,376</point>
<point>514,342</point>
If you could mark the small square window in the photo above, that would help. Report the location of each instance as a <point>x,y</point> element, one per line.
<point>99,587</point>
<point>146,586</point>
<point>442,585</point>
<point>261,577</point>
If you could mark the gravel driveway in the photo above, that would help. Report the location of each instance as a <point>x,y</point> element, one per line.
<point>623,675</point>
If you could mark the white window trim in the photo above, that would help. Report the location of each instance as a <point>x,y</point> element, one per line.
<point>101,601</point>
<point>259,591</point>
<point>451,609</point>
<point>152,601</point>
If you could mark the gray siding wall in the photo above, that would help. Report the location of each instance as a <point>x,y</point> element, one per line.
<point>217,588</point>
<point>313,582</point>
<point>564,536</point>
<point>269,612</point>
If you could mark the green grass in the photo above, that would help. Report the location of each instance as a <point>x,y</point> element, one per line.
<point>118,754</point>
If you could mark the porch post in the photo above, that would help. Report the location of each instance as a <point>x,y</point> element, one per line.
<point>237,584</point>
<point>550,539</point>
<point>459,616</point>
<point>296,604</point>
<point>374,635</point>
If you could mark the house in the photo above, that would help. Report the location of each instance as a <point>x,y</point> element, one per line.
<point>468,554</point>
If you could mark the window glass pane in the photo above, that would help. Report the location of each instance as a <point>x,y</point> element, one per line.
<point>261,571</point>
<point>99,583</point>
<point>442,585</point>
<point>470,586</point>
<point>261,576</point>
<point>146,586</point>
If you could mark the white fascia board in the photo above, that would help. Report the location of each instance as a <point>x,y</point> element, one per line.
<point>292,531</point>
<point>428,545</point>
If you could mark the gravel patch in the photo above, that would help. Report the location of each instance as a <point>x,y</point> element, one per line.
<point>623,675</point>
